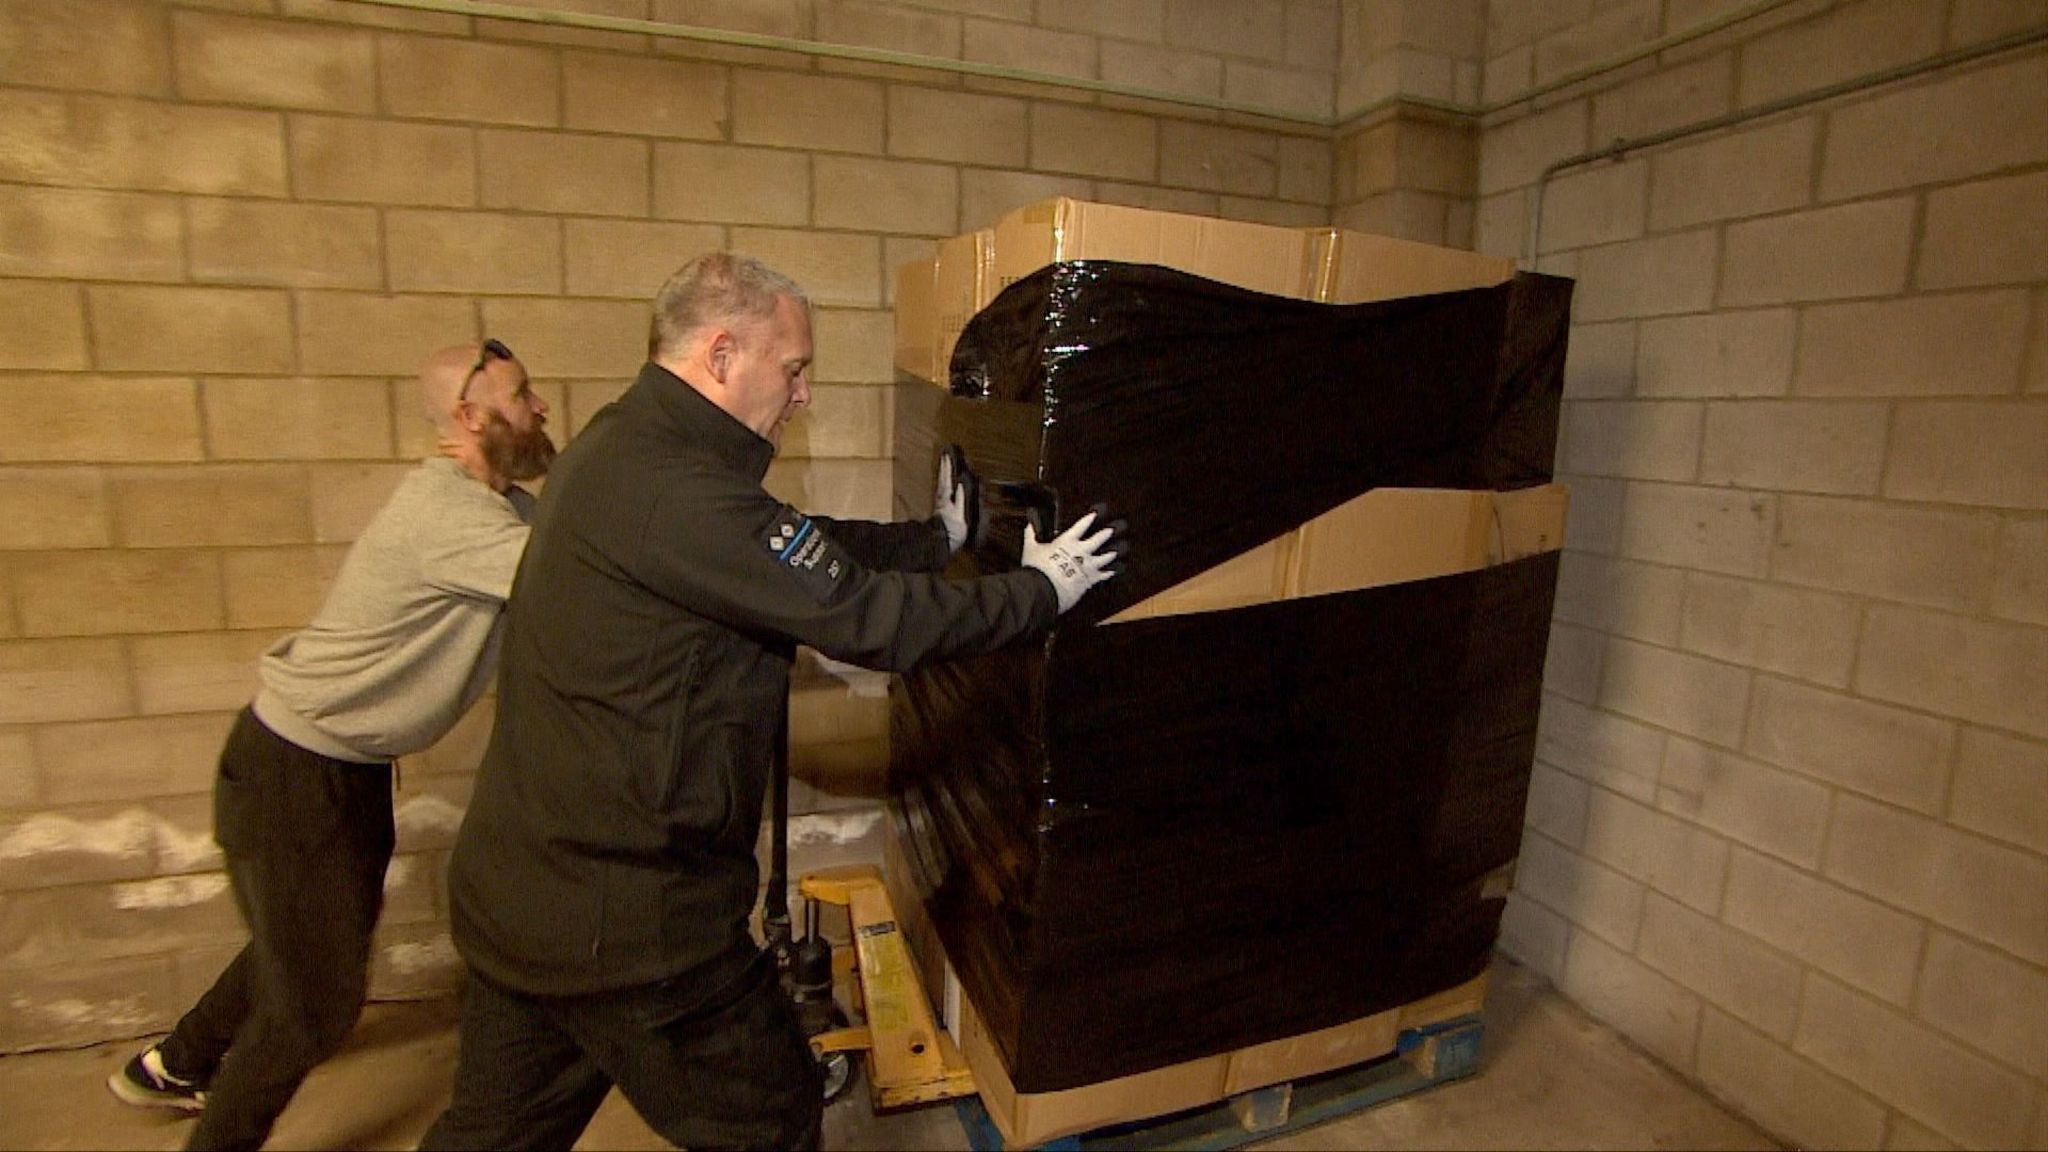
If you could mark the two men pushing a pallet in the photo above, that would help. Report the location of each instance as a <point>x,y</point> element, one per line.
<point>601,885</point>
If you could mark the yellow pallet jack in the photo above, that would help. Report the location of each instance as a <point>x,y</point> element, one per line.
<point>908,1059</point>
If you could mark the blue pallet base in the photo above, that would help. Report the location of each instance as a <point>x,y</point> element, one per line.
<point>1422,1058</point>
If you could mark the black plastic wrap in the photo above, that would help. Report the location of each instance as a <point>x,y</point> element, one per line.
<point>1212,418</point>
<point>1148,842</point>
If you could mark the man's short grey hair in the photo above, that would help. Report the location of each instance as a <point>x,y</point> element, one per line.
<point>715,288</point>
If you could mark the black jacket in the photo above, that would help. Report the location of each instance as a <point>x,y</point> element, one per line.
<point>610,839</point>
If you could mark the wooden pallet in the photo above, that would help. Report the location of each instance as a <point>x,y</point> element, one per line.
<point>1423,1057</point>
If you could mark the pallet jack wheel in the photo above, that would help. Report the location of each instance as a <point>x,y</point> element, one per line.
<point>840,1072</point>
<point>839,1068</point>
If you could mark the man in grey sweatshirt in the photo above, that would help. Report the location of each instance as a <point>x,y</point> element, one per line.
<point>405,642</point>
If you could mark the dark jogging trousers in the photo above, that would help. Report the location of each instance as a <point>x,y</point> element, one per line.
<point>707,1068</point>
<point>307,839</point>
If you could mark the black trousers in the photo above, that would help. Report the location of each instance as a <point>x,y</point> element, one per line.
<point>727,1070</point>
<point>307,839</point>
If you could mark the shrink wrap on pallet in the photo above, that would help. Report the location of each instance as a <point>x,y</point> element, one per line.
<point>1161,833</point>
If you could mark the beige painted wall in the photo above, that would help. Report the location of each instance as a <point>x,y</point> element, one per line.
<point>1789,826</point>
<point>1407,126</point>
<point>233,229</point>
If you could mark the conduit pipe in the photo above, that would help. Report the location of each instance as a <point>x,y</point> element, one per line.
<point>1620,148</point>
<point>497,11</point>
<point>501,11</point>
<point>493,10</point>
<point>1584,72</point>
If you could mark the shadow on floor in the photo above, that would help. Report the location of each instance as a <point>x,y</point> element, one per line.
<point>1550,1077</point>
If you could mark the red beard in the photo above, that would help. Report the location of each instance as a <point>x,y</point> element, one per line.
<point>513,454</point>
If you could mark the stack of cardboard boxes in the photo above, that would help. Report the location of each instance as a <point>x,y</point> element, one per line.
<point>936,297</point>
<point>1014,843</point>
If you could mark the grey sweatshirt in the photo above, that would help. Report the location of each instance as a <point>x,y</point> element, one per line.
<point>409,635</point>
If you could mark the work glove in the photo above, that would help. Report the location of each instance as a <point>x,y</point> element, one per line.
<point>956,498</point>
<point>1075,560</point>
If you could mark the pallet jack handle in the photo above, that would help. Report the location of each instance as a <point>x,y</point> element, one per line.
<point>910,1060</point>
<point>775,904</point>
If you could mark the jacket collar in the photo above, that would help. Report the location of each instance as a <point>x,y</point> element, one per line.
<point>685,412</point>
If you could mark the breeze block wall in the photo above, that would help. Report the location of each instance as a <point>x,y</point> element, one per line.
<point>1788,828</point>
<point>231,232</point>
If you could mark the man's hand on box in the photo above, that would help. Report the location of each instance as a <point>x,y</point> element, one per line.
<point>1077,559</point>
<point>956,498</point>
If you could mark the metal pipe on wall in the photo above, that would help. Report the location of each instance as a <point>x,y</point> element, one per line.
<point>496,11</point>
<point>1584,72</point>
<point>1621,148</point>
<point>500,11</point>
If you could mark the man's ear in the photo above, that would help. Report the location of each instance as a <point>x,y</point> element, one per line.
<point>719,352</point>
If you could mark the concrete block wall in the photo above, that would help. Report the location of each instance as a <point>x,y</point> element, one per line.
<point>1406,139</point>
<point>1786,829</point>
<point>1789,823</point>
<point>229,232</point>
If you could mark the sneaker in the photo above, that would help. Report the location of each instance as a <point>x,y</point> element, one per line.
<point>144,1081</point>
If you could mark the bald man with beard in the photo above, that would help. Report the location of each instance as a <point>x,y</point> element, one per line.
<point>405,642</point>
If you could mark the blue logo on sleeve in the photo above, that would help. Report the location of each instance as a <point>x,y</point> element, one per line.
<point>787,541</point>
<point>801,547</point>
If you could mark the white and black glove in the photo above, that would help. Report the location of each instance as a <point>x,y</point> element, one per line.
<point>1075,560</point>
<point>955,498</point>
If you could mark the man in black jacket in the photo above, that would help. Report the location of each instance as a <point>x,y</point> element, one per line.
<point>602,883</point>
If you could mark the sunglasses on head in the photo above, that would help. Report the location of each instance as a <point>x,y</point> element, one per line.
<point>490,349</point>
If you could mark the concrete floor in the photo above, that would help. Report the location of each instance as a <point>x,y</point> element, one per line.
<point>1550,1077</point>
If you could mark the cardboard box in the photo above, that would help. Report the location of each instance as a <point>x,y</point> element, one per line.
<point>1261,257</point>
<point>1385,536</point>
<point>913,452</point>
<point>961,285</point>
<point>1352,800</point>
<point>935,298</point>
<point>1027,1119</point>
<point>1359,267</point>
<point>917,317</point>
